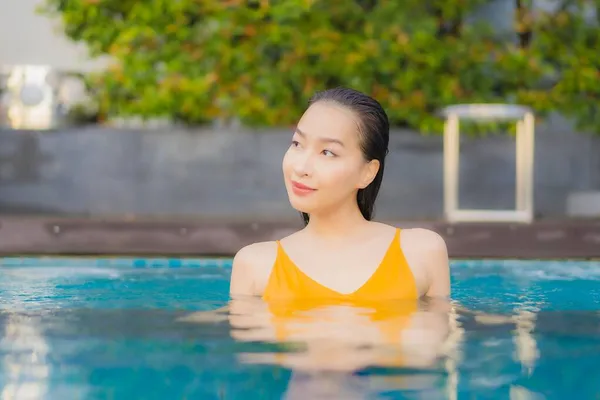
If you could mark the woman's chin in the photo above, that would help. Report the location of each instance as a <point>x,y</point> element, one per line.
<point>301,205</point>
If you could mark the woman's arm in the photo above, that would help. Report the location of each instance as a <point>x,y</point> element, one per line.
<point>438,267</point>
<point>242,276</point>
<point>251,269</point>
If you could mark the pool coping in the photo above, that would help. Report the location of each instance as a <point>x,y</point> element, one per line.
<point>161,262</point>
<point>32,235</point>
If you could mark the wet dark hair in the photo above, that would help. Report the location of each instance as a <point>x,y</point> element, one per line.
<point>374,131</point>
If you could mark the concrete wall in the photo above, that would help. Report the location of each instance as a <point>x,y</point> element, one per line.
<point>237,173</point>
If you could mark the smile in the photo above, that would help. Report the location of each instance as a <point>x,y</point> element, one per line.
<point>301,189</point>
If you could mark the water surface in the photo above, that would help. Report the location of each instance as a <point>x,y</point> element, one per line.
<point>127,329</point>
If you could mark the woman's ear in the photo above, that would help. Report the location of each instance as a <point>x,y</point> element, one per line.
<point>369,173</point>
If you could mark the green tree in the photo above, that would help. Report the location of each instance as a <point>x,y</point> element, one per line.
<point>259,61</point>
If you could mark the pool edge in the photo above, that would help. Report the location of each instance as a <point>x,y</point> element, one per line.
<point>547,239</point>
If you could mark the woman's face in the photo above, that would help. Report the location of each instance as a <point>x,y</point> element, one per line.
<point>324,166</point>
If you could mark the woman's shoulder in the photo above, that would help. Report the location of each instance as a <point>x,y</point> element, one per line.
<point>424,238</point>
<point>255,252</point>
<point>260,255</point>
<point>251,267</point>
<point>426,250</point>
<point>425,244</point>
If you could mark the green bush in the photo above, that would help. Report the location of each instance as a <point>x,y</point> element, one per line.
<point>260,61</point>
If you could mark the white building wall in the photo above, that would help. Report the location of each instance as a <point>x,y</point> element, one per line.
<point>29,38</point>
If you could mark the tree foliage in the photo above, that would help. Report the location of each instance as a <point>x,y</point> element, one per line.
<point>259,61</point>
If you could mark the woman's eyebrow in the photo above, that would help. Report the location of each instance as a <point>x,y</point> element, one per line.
<point>321,139</point>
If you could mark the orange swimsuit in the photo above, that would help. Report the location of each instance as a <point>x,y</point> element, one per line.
<point>392,280</point>
<point>300,306</point>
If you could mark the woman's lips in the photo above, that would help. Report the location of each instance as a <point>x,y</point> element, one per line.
<point>300,189</point>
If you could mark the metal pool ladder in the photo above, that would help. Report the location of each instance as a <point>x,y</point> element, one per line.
<point>524,117</point>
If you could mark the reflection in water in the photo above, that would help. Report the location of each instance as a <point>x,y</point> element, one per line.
<point>525,344</point>
<point>452,351</point>
<point>377,351</point>
<point>526,350</point>
<point>25,369</point>
<point>414,344</point>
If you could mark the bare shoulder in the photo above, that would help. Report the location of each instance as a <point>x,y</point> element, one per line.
<point>430,244</point>
<point>255,252</point>
<point>430,251</point>
<point>426,239</point>
<point>251,267</point>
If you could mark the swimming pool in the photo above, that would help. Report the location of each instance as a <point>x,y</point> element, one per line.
<point>122,328</point>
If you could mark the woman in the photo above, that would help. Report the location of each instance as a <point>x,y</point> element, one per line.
<point>333,170</point>
<point>344,289</point>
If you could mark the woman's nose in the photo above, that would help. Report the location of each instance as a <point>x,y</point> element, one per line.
<point>303,164</point>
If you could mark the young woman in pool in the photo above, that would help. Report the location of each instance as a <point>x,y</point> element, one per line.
<point>333,170</point>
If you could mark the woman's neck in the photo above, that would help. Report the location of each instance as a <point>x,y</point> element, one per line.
<point>338,223</point>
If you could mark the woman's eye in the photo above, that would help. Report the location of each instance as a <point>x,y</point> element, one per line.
<point>328,153</point>
<point>295,143</point>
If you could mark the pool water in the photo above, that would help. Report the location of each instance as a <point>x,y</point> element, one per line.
<point>118,328</point>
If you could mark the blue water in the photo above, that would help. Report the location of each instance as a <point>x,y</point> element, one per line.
<point>121,329</point>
